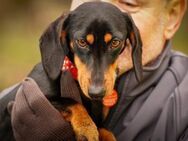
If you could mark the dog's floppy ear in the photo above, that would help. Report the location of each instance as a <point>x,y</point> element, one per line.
<point>136,43</point>
<point>54,47</point>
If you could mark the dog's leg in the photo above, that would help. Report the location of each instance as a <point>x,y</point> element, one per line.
<point>83,126</point>
<point>105,135</point>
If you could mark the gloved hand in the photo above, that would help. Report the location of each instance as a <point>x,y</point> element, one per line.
<point>33,118</point>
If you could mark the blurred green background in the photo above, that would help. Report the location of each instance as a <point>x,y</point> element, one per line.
<point>21,24</point>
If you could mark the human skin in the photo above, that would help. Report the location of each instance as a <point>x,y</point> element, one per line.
<point>157,21</point>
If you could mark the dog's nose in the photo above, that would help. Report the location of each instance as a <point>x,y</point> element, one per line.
<point>96,92</point>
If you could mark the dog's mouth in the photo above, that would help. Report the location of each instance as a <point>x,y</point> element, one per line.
<point>100,94</point>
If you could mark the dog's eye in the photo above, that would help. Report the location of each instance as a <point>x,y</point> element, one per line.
<point>82,43</point>
<point>115,43</point>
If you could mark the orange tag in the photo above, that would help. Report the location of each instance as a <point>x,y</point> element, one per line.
<point>110,100</point>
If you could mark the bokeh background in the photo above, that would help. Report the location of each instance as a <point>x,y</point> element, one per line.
<point>21,24</point>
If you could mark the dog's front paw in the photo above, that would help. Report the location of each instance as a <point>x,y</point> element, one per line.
<point>105,135</point>
<point>86,135</point>
<point>83,126</point>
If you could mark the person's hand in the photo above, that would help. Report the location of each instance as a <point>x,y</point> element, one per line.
<point>34,118</point>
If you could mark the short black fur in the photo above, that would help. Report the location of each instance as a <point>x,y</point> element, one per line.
<point>98,19</point>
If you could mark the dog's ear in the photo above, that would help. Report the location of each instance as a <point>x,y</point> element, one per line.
<point>54,47</point>
<point>136,43</point>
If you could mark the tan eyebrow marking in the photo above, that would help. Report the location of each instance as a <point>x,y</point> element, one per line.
<point>107,37</point>
<point>90,38</point>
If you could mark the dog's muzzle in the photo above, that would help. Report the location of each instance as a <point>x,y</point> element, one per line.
<point>96,92</point>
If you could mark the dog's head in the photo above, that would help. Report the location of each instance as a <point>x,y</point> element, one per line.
<point>92,36</point>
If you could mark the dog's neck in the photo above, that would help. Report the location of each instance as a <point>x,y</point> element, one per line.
<point>96,110</point>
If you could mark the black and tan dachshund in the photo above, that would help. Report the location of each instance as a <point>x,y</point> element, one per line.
<point>92,37</point>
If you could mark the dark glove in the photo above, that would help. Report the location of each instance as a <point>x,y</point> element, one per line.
<point>33,118</point>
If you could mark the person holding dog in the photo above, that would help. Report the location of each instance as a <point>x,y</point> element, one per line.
<point>154,109</point>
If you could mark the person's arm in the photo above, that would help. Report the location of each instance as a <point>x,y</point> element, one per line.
<point>47,86</point>
<point>34,117</point>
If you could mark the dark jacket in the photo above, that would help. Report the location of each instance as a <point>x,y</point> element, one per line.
<point>157,108</point>
<point>154,110</point>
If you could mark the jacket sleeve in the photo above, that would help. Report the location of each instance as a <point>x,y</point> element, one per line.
<point>34,117</point>
<point>46,85</point>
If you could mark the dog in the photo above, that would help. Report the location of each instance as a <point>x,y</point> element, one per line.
<point>91,37</point>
